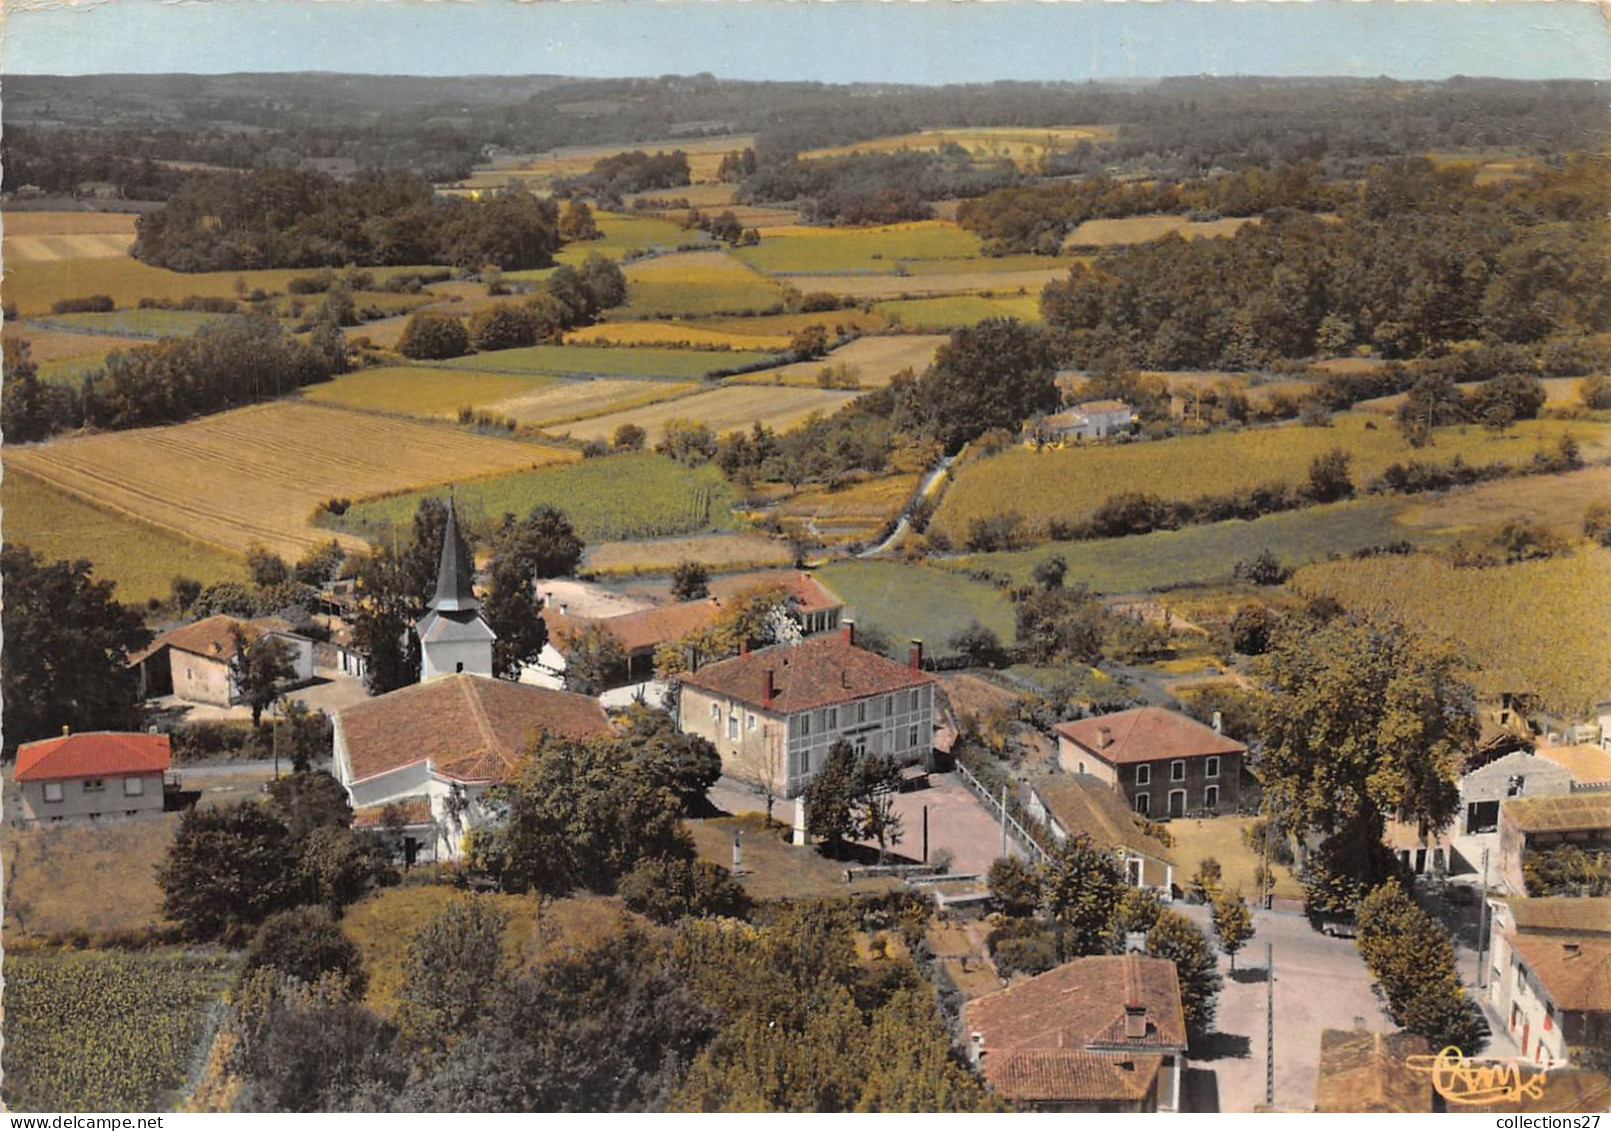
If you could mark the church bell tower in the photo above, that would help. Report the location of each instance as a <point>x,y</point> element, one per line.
<point>454,636</point>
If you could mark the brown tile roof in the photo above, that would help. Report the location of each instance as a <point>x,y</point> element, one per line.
<point>415,811</point>
<point>1062,1075</point>
<point>1570,813</point>
<point>92,754</point>
<point>806,594</point>
<point>1575,972</point>
<point>1083,804</point>
<point>644,630</point>
<point>1585,763</point>
<point>471,728</point>
<point>816,673</point>
<point>1365,1071</point>
<point>1146,734</point>
<point>1102,406</point>
<point>1081,1005</point>
<point>211,637</point>
<point>1562,913</point>
<point>1566,1091</point>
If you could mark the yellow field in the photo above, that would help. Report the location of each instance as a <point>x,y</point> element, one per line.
<point>873,360</point>
<point>837,321</point>
<point>52,249</point>
<point>675,334</point>
<point>565,401</point>
<point>35,285</point>
<point>1022,146</point>
<point>714,195</point>
<point>704,156</point>
<point>695,283</point>
<point>1554,500</point>
<point>68,224</point>
<point>94,878</point>
<point>939,283</point>
<point>383,332</point>
<point>259,473</point>
<point>1537,627</point>
<point>660,555</point>
<point>419,391</point>
<point>722,410</point>
<point>57,345</point>
<point>1144,229</point>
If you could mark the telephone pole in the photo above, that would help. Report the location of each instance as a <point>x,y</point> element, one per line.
<point>1269,1025</point>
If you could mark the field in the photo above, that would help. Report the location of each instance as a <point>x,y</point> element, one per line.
<point>717,551</point>
<point>963,277</point>
<point>1023,146</point>
<point>828,251</point>
<point>855,512</point>
<point>46,346</point>
<point>106,1030</point>
<point>420,390</point>
<point>960,310</point>
<point>629,496</point>
<point>837,321</point>
<point>34,286</point>
<point>606,361</point>
<point>675,334</point>
<point>92,878</point>
<point>1553,500</point>
<point>722,410</point>
<point>1559,392</point>
<point>565,401</point>
<point>148,323</point>
<point>49,237</point>
<point>696,283</point>
<point>538,171</point>
<point>259,473</point>
<point>623,234</point>
<point>1538,626</point>
<point>1071,482</point>
<point>908,601</point>
<point>872,360</point>
<point>1144,229</point>
<point>142,559</point>
<point>1221,838</point>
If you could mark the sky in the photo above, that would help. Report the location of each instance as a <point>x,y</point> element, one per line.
<point>915,41</point>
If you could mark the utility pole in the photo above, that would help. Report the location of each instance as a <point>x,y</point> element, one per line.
<point>1004,820</point>
<point>925,834</point>
<point>1269,1025</point>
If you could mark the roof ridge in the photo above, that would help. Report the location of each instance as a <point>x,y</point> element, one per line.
<point>478,711</point>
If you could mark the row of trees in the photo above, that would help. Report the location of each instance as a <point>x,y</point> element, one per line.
<point>872,188</point>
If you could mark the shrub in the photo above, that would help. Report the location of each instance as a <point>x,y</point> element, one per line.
<point>666,890</point>
<point>1015,886</point>
<point>307,943</point>
<point>90,304</point>
<point>502,328</point>
<point>431,336</point>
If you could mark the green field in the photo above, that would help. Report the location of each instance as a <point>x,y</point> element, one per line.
<point>1070,483</point>
<point>958,310</point>
<point>106,1030</point>
<point>624,234</point>
<point>421,390</point>
<point>148,323</point>
<point>141,559</point>
<point>832,251</point>
<point>620,497</point>
<point>1198,555</point>
<point>607,361</point>
<point>71,370</point>
<point>908,601</point>
<point>694,284</point>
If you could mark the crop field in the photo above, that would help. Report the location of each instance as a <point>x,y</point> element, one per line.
<point>858,511</point>
<point>60,345</point>
<point>1070,483</point>
<point>683,334</point>
<point>538,170</point>
<point>714,194</point>
<point>106,1030</point>
<point>827,251</point>
<point>722,410</point>
<point>1199,555</point>
<point>1020,145</point>
<point>960,310</point>
<point>873,361</point>
<point>910,601</point>
<point>49,237</point>
<point>624,234</point>
<point>1559,392</point>
<point>1145,229</point>
<point>993,264</point>
<point>641,495</point>
<point>142,559</point>
<point>259,473</point>
<point>696,283</point>
<point>565,401</point>
<point>719,552</point>
<point>1553,500</point>
<point>420,390</point>
<point>837,321</point>
<point>1538,626</point>
<point>147,324</point>
<point>35,286</point>
<point>383,332</point>
<point>964,279</point>
<point>604,361</point>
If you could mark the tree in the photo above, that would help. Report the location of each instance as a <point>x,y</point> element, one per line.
<point>67,644</point>
<point>1050,571</point>
<point>452,972</point>
<point>1015,886</point>
<point>335,867</point>
<point>994,375</point>
<point>1328,477</point>
<point>878,780</point>
<point>1178,939</point>
<point>978,643</point>
<point>1205,882</point>
<point>308,801</point>
<point>502,328</point>
<point>667,890</point>
<point>686,764</point>
<point>543,544</point>
<point>593,659</point>
<point>1060,624</point>
<point>1233,922</point>
<point>258,668</point>
<point>691,443</point>
<point>576,221</point>
<point>1412,959</point>
<point>809,342</point>
<point>629,438</point>
<point>1082,889</point>
<point>690,581</point>
<point>227,870</point>
<point>307,944</point>
<point>431,336</point>
<point>1250,629</point>
<point>830,798</point>
<point>321,564</point>
<point>308,736</point>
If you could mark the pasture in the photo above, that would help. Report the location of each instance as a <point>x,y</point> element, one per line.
<point>873,361</point>
<point>66,880</point>
<point>674,334</point>
<point>831,251</point>
<point>1538,626</point>
<point>420,390</point>
<point>564,401</point>
<point>837,321</point>
<point>1145,229</point>
<point>721,410</point>
<point>697,283</point>
<point>916,601</point>
<point>1070,483</point>
<point>718,552</point>
<point>623,234</point>
<point>959,310</point>
<point>606,361</point>
<point>259,473</point>
<point>1556,501</point>
<point>641,495</point>
<point>140,558</point>
<point>148,324</point>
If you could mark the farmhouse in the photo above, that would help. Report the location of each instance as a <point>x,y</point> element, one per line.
<point>1163,763</point>
<point>1550,975</point>
<point>195,663</point>
<point>1582,819</point>
<point>1070,805</point>
<point>1101,1034</point>
<point>1092,420</point>
<point>92,776</point>
<point>773,714</point>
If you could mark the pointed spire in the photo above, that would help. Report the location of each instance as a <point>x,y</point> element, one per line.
<point>454,592</point>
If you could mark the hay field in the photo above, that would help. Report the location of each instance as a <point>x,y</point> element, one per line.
<point>959,310</point>
<point>34,286</point>
<point>830,251</point>
<point>1559,392</point>
<point>838,321</point>
<point>1556,501</point>
<point>50,237</point>
<point>602,361</point>
<point>660,556</point>
<point>142,559</point>
<point>684,334</point>
<point>1145,229</point>
<point>873,360</point>
<point>259,473</point>
<point>383,332</point>
<point>539,170</point>
<point>565,401</point>
<point>59,345</point>
<point>958,282</point>
<point>90,878</point>
<point>624,234</point>
<point>419,390</point>
<point>994,264</point>
<point>722,410</point>
<point>697,283</point>
<point>715,194</point>
<point>1023,146</point>
<point>1070,483</point>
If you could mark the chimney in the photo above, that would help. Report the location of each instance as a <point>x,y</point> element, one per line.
<point>914,656</point>
<point>1104,738</point>
<point>976,1046</point>
<point>564,609</point>
<point>1135,1021</point>
<point>66,730</point>
<point>1219,722</point>
<point>850,632</point>
<point>768,690</point>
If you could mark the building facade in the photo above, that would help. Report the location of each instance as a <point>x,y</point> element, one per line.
<point>105,775</point>
<point>1163,763</point>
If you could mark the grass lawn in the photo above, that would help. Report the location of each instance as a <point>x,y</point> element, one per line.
<point>1221,838</point>
<point>774,868</point>
<point>659,556</point>
<point>601,361</point>
<point>837,250</point>
<point>908,601</point>
<point>420,390</point>
<point>85,878</point>
<point>958,310</point>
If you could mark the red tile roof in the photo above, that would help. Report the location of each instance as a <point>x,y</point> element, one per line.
<point>211,637</point>
<point>1575,972</point>
<point>1366,1071</point>
<point>471,728</point>
<point>415,811</point>
<point>1572,914</point>
<point>1147,734</point>
<point>1081,1005</point>
<point>816,673</point>
<point>1062,1075</point>
<point>93,755</point>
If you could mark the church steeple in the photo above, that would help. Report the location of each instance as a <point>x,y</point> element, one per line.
<point>454,591</point>
<point>454,636</point>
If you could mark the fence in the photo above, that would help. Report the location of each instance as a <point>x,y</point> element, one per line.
<point>1025,839</point>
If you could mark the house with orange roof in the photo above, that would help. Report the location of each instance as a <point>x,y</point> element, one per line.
<point>1100,1034</point>
<point>195,663</point>
<point>1552,987</point>
<point>1163,763</point>
<point>98,775</point>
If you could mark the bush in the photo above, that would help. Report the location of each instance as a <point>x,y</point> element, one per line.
<point>90,304</point>
<point>667,890</point>
<point>502,328</point>
<point>306,943</point>
<point>430,336</point>
<point>1015,886</point>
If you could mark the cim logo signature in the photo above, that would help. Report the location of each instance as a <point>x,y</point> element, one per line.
<point>1460,1080</point>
